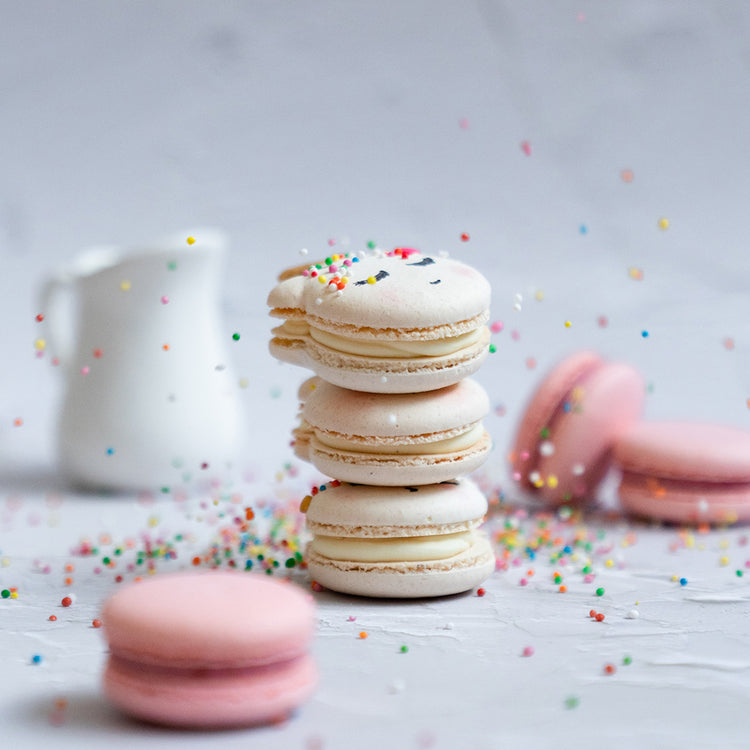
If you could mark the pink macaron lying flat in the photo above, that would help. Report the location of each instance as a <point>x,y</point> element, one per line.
<point>210,649</point>
<point>580,410</point>
<point>685,472</point>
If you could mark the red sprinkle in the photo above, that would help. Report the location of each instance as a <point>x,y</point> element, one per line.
<point>599,617</point>
<point>481,592</point>
<point>610,669</point>
<point>96,623</point>
<point>67,601</point>
<point>53,618</point>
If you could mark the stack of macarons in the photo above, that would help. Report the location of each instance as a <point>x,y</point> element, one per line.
<point>393,417</point>
<point>585,417</point>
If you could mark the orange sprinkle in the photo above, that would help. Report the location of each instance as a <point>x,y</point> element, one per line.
<point>363,635</point>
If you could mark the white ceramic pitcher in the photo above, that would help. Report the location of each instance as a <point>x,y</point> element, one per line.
<point>150,400</point>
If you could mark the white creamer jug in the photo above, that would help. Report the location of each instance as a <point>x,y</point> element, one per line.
<point>150,400</point>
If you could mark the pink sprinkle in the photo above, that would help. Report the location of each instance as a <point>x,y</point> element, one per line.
<point>588,578</point>
<point>497,326</point>
<point>331,242</point>
<point>164,300</point>
<point>333,268</point>
<point>463,123</point>
<point>515,335</point>
<point>526,148</point>
<point>528,651</point>
<point>85,370</point>
<point>523,582</point>
<point>351,619</point>
<point>602,321</point>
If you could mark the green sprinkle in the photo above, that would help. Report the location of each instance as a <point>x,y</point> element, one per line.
<point>5,593</point>
<point>627,660</point>
<point>600,592</point>
<point>493,348</point>
<point>290,563</point>
<point>236,336</point>
<point>404,649</point>
<point>572,702</point>
<point>739,574</point>
<point>371,245</point>
<point>172,265</point>
<point>544,433</point>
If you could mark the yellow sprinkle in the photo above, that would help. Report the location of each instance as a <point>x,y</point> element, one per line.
<point>689,541</point>
<point>370,279</point>
<point>675,578</point>
<point>723,544</point>
<point>244,382</point>
<point>724,560</point>
<point>40,344</point>
<point>153,521</point>
<point>539,295</point>
<point>191,240</point>
<point>305,504</point>
<point>568,324</point>
<point>14,595</point>
<point>635,273</point>
<point>125,286</point>
<point>552,481</point>
<point>663,223</point>
<point>5,562</point>
<point>609,563</point>
<point>322,279</point>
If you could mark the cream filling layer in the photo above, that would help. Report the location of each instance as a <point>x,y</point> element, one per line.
<point>453,444</point>
<point>434,348</point>
<point>399,549</point>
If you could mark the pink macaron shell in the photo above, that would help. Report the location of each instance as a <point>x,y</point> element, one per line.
<point>544,404</point>
<point>685,450</point>
<point>209,619</point>
<point>685,502</point>
<point>210,698</point>
<point>604,406</point>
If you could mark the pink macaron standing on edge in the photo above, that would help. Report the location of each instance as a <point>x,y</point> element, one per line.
<point>578,413</point>
<point>209,649</point>
<point>684,472</point>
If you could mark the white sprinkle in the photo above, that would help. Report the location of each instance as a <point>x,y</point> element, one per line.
<point>319,301</point>
<point>634,614</point>
<point>392,419</point>
<point>397,686</point>
<point>547,448</point>
<point>577,469</point>
<point>303,251</point>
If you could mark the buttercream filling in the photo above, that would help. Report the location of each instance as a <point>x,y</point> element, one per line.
<point>399,446</point>
<point>429,348</point>
<point>399,549</point>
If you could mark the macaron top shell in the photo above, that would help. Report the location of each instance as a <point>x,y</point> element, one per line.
<point>209,619</point>
<point>417,296</point>
<point>368,511</point>
<point>582,408</point>
<point>355,413</point>
<point>685,450</point>
<point>546,402</point>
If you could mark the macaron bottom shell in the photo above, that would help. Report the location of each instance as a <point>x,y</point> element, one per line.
<point>405,580</point>
<point>684,501</point>
<point>383,374</point>
<point>209,699</point>
<point>392,470</point>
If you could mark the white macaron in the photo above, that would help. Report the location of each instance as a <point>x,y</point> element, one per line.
<point>393,439</point>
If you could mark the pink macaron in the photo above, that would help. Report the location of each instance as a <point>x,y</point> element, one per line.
<point>563,445</point>
<point>209,649</point>
<point>685,472</point>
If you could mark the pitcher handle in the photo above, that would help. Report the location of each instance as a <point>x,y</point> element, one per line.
<point>55,302</point>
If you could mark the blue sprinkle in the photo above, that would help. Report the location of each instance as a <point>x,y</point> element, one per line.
<point>583,229</point>
<point>683,581</point>
<point>36,659</point>
<point>644,334</point>
<point>566,406</point>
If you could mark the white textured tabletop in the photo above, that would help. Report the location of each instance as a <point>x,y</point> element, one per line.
<point>589,158</point>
